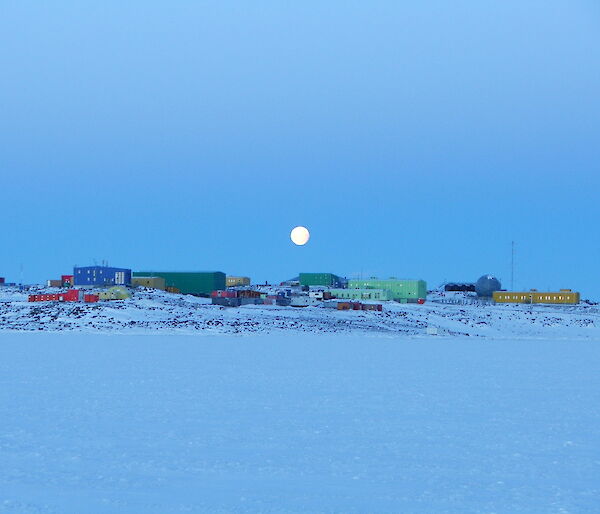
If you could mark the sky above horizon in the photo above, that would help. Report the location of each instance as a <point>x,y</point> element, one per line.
<point>414,141</point>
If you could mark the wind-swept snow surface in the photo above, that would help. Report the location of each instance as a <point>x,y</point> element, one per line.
<point>101,423</point>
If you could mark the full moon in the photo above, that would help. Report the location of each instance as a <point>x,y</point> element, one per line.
<point>300,236</point>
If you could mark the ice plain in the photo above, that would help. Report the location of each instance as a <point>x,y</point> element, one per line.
<point>106,422</point>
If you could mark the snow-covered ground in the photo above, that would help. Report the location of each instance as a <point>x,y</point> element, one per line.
<point>292,422</point>
<point>165,404</point>
<point>155,311</point>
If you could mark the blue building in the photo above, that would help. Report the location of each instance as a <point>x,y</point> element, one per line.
<point>101,276</point>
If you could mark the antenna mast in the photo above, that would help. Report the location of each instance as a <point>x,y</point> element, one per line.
<point>512,266</point>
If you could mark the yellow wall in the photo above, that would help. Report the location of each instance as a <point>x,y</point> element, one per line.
<point>237,281</point>
<point>153,282</point>
<point>560,297</point>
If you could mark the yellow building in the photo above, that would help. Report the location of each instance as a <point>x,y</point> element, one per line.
<point>564,296</point>
<point>237,281</point>
<point>151,282</point>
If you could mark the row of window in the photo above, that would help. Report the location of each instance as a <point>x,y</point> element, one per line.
<point>534,297</point>
<point>375,296</point>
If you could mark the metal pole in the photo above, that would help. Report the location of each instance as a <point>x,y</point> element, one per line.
<point>512,266</point>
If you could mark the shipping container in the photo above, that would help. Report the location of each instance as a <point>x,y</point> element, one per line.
<point>101,276</point>
<point>198,283</point>
<point>279,300</point>
<point>226,301</point>
<point>54,283</point>
<point>150,282</point>
<point>303,301</point>
<point>250,301</point>
<point>248,293</point>
<point>224,294</point>
<point>90,298</point>
<point>72,295</point>
<point>171,289</point>
<point>2,281</point>
<point>372,307</point>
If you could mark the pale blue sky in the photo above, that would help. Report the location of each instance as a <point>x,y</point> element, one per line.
<point>413,139</point>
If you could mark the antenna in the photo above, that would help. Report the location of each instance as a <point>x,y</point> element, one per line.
<point>512,266</point>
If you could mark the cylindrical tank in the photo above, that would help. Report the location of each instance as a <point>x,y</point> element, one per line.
<point>486,285</point>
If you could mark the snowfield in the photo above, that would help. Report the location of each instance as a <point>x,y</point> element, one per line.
<point>165,404</point>
<point>106,423</point>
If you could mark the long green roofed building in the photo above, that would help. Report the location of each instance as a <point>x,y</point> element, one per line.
<point>404,291</point>
<point>382,295</point>
<point>199,283</point>
<point>320,279</point>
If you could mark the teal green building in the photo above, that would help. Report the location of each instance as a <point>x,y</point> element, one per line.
<point>383,295</point>
<point>199,283</point>
<point>404,291</point>
<point>320,279</point>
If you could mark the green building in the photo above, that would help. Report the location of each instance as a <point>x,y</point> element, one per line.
<point>404,291</point>
<point>320,279</point>
<point>199,283</point>
<point>382,295</point>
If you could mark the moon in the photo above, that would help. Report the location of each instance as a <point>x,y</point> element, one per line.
<point>300,236</point>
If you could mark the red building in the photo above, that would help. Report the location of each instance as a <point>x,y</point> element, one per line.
<point>72,295</point>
